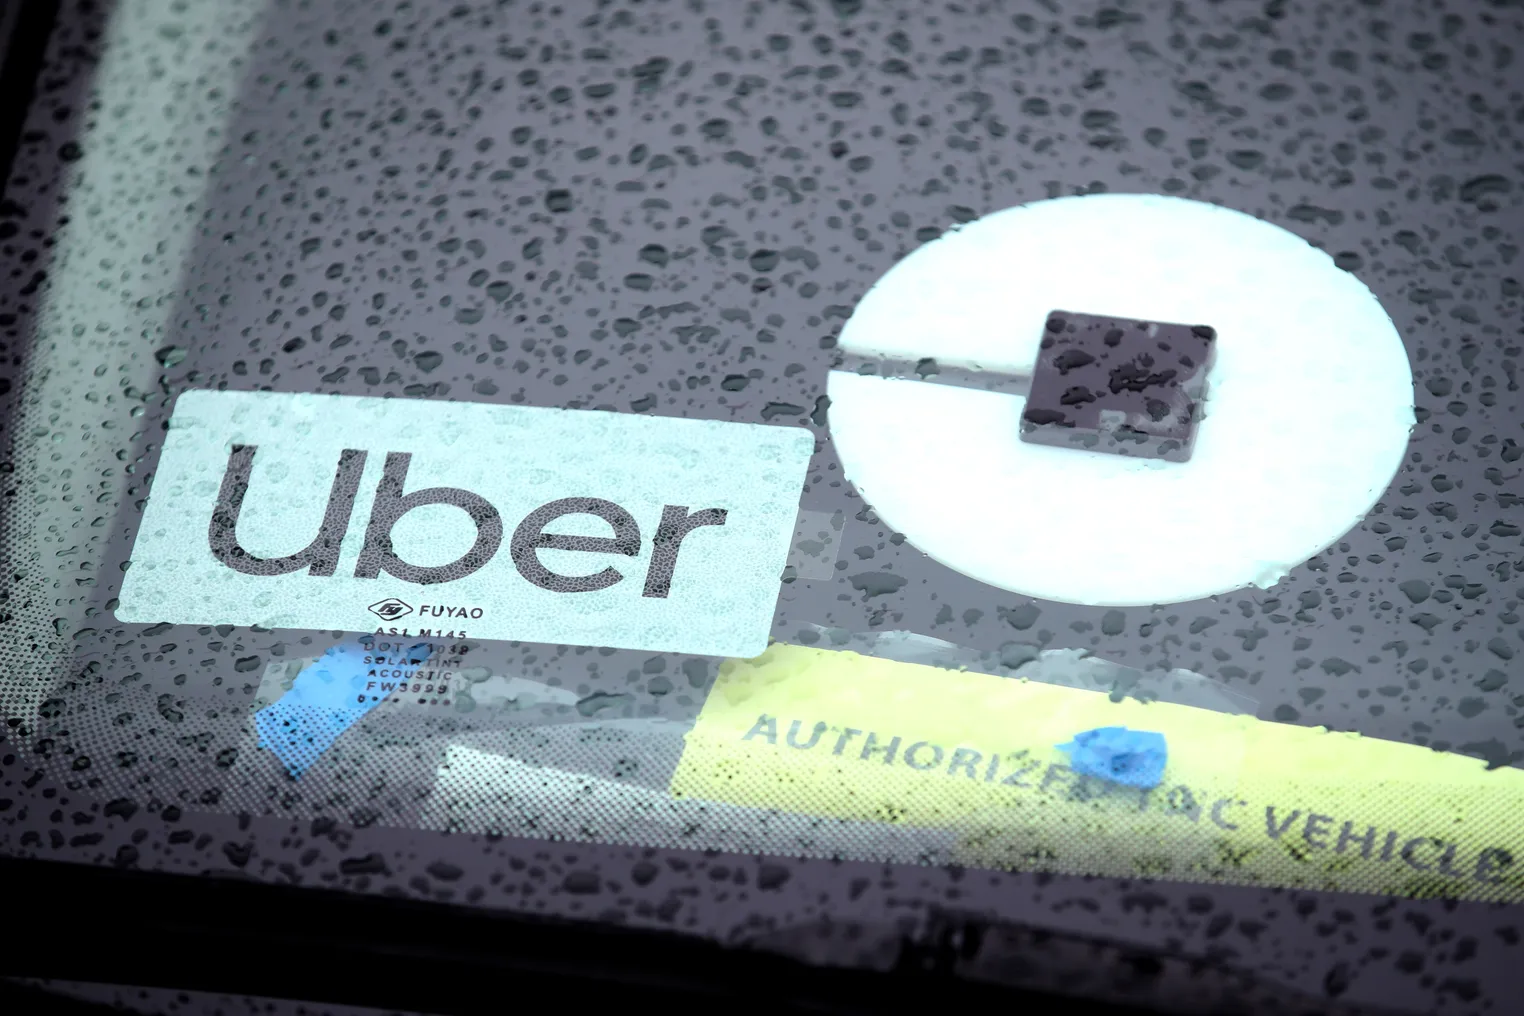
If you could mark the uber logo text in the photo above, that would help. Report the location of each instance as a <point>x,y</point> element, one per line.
<point>321,556</point>
<point>331,512</point>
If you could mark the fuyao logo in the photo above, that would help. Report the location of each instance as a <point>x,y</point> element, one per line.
<point>408,521</point>
<point>390,609</point>
<point>1121,399</point>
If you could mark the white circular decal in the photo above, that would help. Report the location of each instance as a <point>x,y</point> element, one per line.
<point>1309,402</point>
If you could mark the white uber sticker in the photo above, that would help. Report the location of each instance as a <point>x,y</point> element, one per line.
<point>1307,412</point>
<point>463,520</point>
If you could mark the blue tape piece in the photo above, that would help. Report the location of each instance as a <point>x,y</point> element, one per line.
<point>1134,758</point>
<point>325,700</point>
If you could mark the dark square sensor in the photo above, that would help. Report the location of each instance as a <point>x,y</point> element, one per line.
<point>1118,385</point>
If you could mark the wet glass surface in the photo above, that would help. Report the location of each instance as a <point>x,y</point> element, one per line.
<point>671,210</point>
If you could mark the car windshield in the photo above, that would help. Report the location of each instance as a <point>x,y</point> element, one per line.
<point>1053,465</point>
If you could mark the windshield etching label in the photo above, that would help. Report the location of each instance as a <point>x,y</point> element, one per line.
<point>508,522</point>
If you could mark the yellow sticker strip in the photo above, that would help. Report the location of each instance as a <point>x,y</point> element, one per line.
<point>840,735</point>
